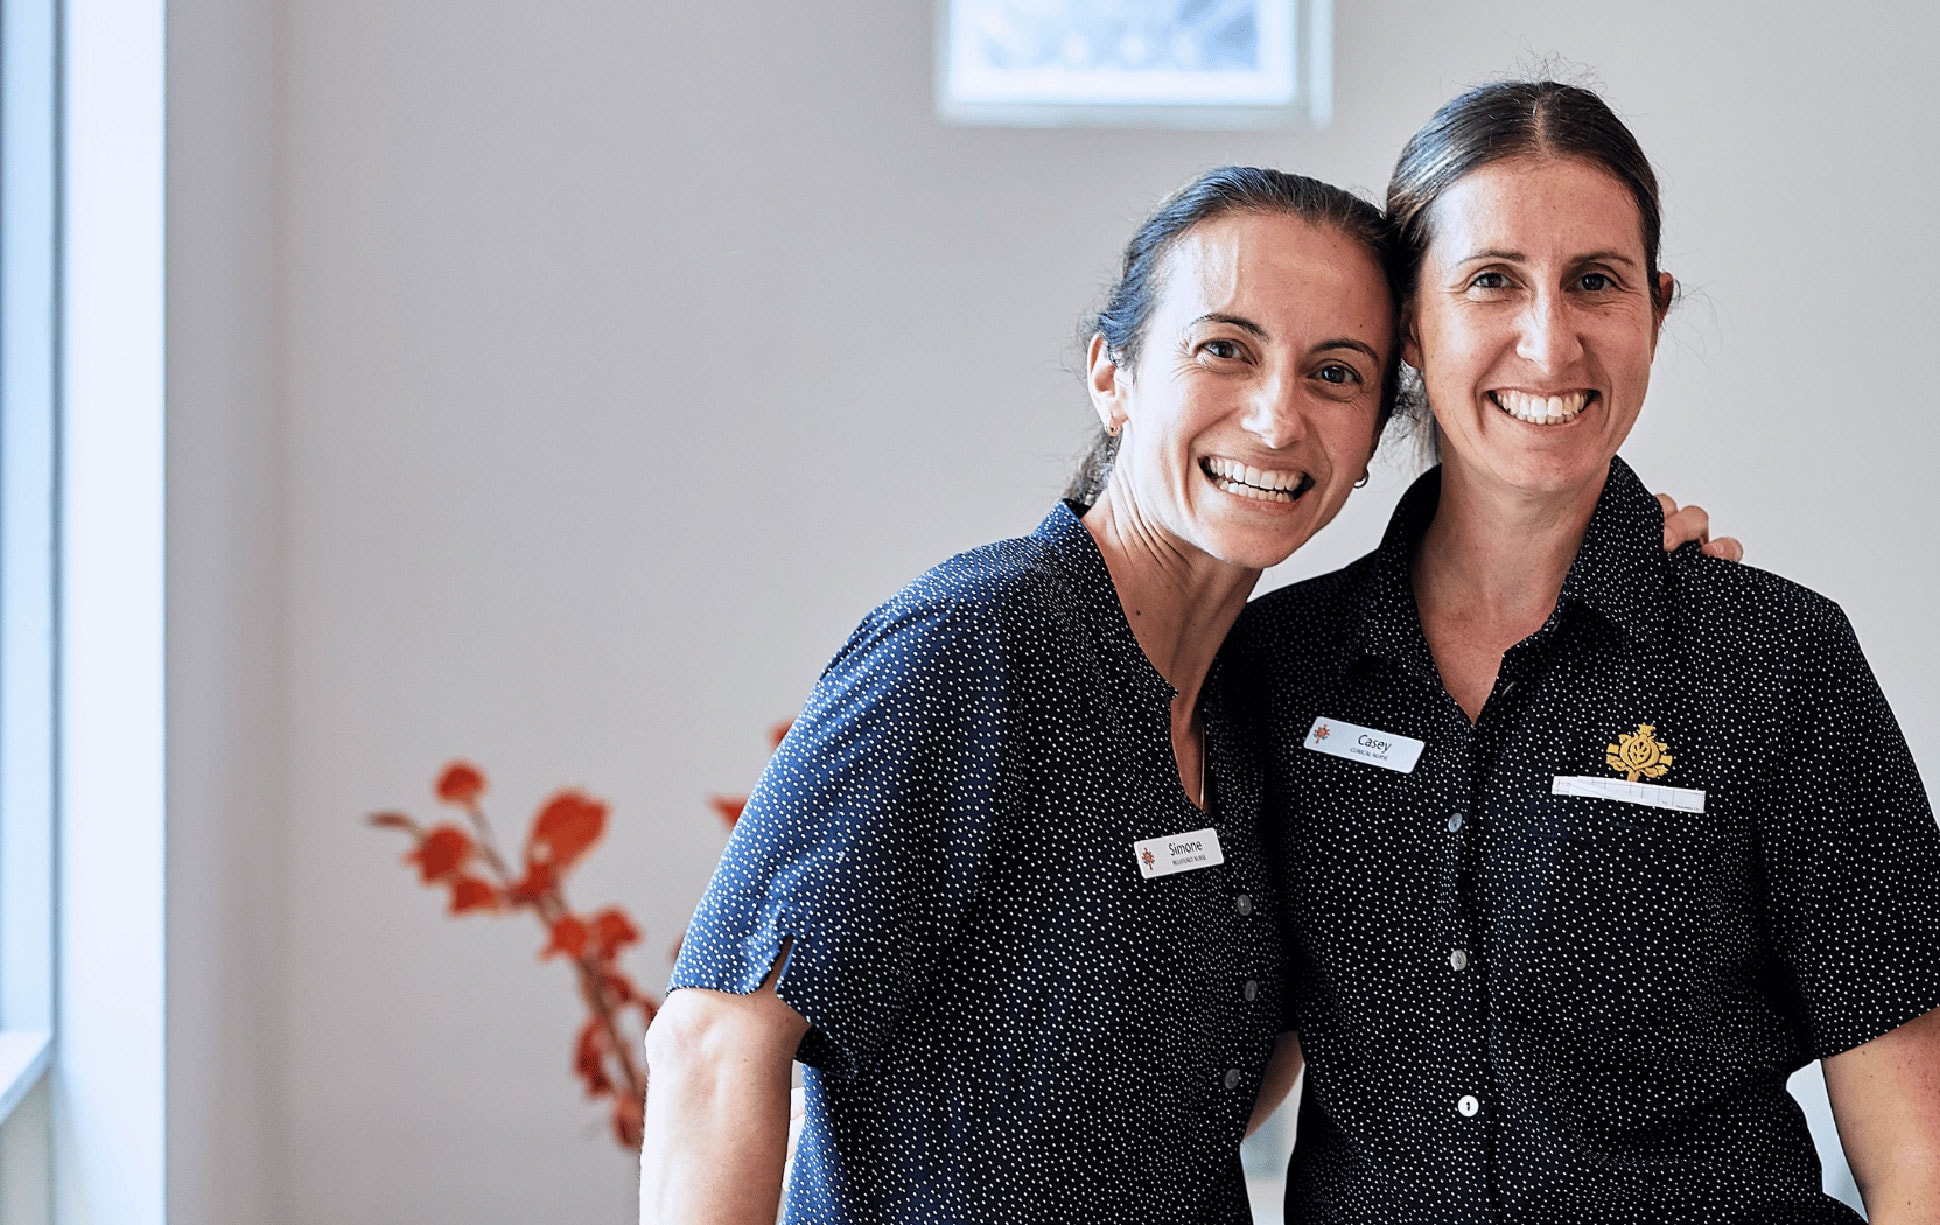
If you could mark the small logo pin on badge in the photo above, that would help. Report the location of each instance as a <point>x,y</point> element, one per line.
<point>1639,754</point>
<point>1321,731</point>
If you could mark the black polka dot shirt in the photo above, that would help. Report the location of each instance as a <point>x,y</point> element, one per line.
<point>1539,979</point>
<point>1010,1022</point>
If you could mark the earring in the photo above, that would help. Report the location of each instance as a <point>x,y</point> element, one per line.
<point>1362,483</point>
<point>1114,427</point>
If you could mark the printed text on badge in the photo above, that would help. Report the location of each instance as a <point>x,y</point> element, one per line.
<point>1377,748</point>
<point>1178,853</point>
<point>1650,795</point>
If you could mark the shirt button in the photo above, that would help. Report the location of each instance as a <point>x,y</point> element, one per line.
<point>1455,824</point>
<point>1251,990</point>
<point>1232,1080</point>
<point>1466,1105</point>
<point>1458,960</point>
<point>1244,903</point>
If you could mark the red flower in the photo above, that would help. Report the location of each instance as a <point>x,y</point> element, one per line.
<point>613,931</point>
<point>472,893</point>
<point>569,934</point>
<point>619,986</point>
<point>535,884</point>
<point>440,853</point>
<point>629,1128</point>
<point>728,808</point>
<point>461,784</point>
<point>565,829</point>
<point>589,1060</point>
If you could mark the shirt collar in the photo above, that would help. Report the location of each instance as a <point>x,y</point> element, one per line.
<point>1096,601</point>
<point>1620,572</point>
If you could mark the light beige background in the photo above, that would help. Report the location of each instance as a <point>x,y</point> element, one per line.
<point>557,384</point>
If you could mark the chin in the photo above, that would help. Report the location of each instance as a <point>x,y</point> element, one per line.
<point>1553,474</point>
<point>1256,548</point>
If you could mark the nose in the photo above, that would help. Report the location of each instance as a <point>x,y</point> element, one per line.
<point>1275,415</point>
<point>1548,337</point>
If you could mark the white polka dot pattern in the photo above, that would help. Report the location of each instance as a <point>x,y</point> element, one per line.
<point>1521,1007</point>
<point>1008,1023</point>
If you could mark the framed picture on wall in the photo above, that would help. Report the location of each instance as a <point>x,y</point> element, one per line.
<point>1215,63</point>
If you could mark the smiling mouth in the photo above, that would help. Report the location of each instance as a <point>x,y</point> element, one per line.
<point>1542,410</point>
<point>1262,485</point>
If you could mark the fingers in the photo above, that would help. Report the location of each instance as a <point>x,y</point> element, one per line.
<point>1725,547</point>
<point>1681,526</point>
<point>1690,523</point>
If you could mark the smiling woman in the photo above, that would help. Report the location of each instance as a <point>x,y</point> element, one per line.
<point>1660,843</point>
<point>1002,887</point>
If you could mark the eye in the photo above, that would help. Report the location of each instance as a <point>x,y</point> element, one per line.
<point>1596,281</point>
<point>1489,280</point>
<point>1338,374</point>
<point>1223,349</point>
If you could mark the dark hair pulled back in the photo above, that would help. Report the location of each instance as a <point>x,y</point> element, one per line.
<point>1216,193</point>
<point>1514,119</point>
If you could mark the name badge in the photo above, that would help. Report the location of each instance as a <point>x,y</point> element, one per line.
<point>1651,795</point>
<point>1178,853</point>
<point>1384,749</point>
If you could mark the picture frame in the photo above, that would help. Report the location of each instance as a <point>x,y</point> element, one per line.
<point>1165,63</point>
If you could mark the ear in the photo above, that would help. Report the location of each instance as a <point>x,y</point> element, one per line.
<point>1662,306</point>
<point>1410,335</point>
<point>1106,383</point>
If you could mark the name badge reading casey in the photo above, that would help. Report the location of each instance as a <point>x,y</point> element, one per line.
<point>1178,853</point>
<point>1384,749</point>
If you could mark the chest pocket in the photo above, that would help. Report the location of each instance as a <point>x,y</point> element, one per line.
<point>1618,918</point>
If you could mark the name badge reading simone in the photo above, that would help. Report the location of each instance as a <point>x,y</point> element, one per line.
<point>1178,853</point>
<point>1384,749</point>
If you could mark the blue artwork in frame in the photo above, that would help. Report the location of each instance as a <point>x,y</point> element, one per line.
<point>1136,55</point>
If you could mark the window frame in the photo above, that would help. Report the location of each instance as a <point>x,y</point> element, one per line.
<point>30,264</point>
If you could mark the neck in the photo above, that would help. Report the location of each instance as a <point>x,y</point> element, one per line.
<point>1490,570</point>
<point>1179,601</point>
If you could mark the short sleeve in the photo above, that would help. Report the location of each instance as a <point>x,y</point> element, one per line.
<point>1852,855</point>
<point>863,843</point>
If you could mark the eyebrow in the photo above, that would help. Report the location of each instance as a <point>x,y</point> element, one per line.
<point>1238,321</point>
<point>1517,257</point>
<point>1247,325</point>
<point>1348,342</point>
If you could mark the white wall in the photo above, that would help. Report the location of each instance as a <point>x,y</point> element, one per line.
<point>621,355</point>
<point>228,649</point>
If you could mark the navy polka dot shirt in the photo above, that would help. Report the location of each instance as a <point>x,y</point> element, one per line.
<point>1560,969</point>
<point>1010,1022</point>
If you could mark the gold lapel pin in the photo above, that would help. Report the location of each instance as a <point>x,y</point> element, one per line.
<point>1639,754</point>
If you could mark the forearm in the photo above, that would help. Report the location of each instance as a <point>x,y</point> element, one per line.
<point>1886,1100</point>
<point>716,1123</point>
<point>1907,1193</point>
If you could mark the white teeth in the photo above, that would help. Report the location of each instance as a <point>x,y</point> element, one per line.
<point>1249,482</point>
<point>1540,410</point>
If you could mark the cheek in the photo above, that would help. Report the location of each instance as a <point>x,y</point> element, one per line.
<point>1350,438</point>
<point>1628,356</point>
<point>1457,350</point>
